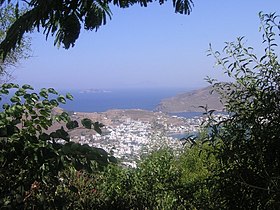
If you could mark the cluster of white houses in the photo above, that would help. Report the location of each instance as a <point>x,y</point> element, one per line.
<point>133,138</point>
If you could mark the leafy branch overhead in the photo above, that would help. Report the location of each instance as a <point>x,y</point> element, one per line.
<point>65,18</point>
<point>7,18</point>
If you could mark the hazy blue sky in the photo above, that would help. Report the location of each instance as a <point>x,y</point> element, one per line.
<point>146,47</point>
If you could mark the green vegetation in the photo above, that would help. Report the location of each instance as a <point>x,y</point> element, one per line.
<point>64,19</point>
<point>21,51</point>
<point>32,157</point>
<point>248,144</point>
<point>233,165</point>
<point>162,180</point>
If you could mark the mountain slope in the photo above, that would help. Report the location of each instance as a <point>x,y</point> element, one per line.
<point>190,101</point>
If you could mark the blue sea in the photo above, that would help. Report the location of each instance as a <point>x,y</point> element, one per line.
<point>101,101</point>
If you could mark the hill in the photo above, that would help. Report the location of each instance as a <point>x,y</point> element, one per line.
<point>190,101</point>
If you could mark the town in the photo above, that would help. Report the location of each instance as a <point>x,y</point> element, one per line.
<point>133,134</point>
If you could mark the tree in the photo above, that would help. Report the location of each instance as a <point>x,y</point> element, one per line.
<point>32,155</point>
<point>64,18</point>
<point>162,180</point>
<point>248,143</point>
<point>7,18</point>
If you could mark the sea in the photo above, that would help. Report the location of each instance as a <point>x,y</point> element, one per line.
<point>103,100</point>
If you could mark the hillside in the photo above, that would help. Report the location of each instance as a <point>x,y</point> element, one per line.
<point>190,101</point>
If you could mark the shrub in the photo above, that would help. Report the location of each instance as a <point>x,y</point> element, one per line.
<point>32,156</point>
<point>248,142</point>
<point>161,180</point>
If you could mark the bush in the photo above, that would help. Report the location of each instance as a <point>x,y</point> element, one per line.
<point>247,144</point>
<point>32,156</point>
<point>162,180</point>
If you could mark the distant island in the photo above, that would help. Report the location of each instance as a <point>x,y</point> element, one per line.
<point>93,90</point>
<point>191,101</point>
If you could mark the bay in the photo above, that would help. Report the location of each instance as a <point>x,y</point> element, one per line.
<point>101,101</point>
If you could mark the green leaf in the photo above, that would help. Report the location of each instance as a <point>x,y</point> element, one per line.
<point>39,106</point>
<point>4,91</point>
<point>112,159</point>
<point>54,102</point>
<point>44,137</point>
<point>61,99</point>
<point>6,106</point>
<point>15,99</point>
<point>9,85</point>
<point>84,149</point>
<point>87,123</point>
<point>64,117</point>
<point>44,93</point>
<point>46,102</point>
<point>5,86</point>
<point>72,124</point>
<point>54,135</point>
<point>20,92</point>
<point>27,96</point>
<point>45,113</point>
<point>101,151</point>
<point>97,127</point>
<point>29,87</point>
<point>62,134</point>
<point>34,97</point>
<point>69,96</point>
<point>3,115</point>
<point>53,91</point>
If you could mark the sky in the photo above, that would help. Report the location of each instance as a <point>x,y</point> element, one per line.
<point>149,47</point>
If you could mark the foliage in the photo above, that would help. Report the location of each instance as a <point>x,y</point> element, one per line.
<point>33,152</point>
<point>64,18</point>
<point>7,18</point>
<point>247,144</point>
<point>197,165</point>
<point>77,190</point>
<point>161,181</point>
